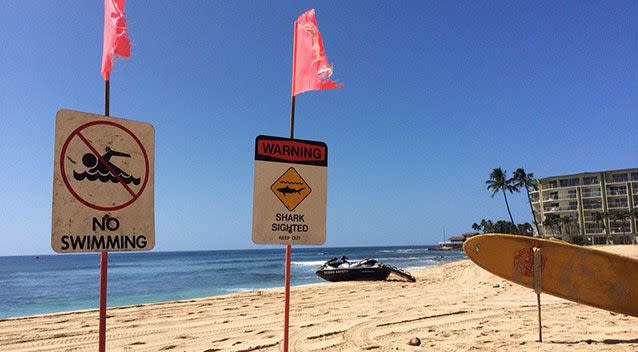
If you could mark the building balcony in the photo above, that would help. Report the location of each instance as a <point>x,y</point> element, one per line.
<point>563,208</point>
<point>592,206</point>
<point>617,205</point>
<point>616,193</point>
<point>618,180</point>
<point>618,230</point>
<point>547,186</point>
<point>595,231</point>
<point>556,198</point>
<point>591,195</point>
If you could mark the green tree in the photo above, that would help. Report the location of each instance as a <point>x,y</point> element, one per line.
<point>487,225</point>
<point>566,222</point>
<point>622,216</point>
<point>611,215</point>
<point>526,229</point>
<point>498,182</point>
<point>599,219</point>
<point>502,226</point>
<point>552,224</point>
<point>521,179</point>
<point>633,213</point>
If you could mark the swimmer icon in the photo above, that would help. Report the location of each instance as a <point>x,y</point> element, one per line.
<point>103,169</point>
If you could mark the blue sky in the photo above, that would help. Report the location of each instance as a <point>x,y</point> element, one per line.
<point>436,95</point>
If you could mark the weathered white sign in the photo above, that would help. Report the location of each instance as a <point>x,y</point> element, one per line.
<point>102,184</point>
<point>289,199</point>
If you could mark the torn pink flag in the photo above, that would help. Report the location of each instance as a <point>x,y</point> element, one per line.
<point>116,40</point>
<point>311,70</point>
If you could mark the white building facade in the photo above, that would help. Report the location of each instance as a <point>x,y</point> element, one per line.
<point>589,208</point>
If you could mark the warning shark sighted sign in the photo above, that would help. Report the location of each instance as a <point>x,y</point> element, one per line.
<point>102,184</point>
<point>289,199</point>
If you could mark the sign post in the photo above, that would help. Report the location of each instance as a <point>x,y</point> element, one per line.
<point>311,72</point>
<point>104,255</point>
<point>538,287</point>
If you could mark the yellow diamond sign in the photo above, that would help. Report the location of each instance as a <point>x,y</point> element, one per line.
<point>291,189</point>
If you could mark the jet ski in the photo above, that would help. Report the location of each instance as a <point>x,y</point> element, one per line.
<point>364,270</point>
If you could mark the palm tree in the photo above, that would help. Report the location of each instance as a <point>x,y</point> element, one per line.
<point>633,213</point>
<point>498,182</point>
<point>566,222</point>
<point>606,216</point>
<point>487,225</point>
<point>506,227</point>
<point>599,219</point>
<point>526,229</point>
<point>613,216</point>
<point>521,179</point>
<point>552,224</point>
<point>623,216</point>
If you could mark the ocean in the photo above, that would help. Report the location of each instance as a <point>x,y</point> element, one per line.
<point>63,282</point>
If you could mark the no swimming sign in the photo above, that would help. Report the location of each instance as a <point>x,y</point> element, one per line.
<point>102,184</point>
<point>289,199</point>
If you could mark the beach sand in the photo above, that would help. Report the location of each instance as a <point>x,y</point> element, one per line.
<point>452,307</point>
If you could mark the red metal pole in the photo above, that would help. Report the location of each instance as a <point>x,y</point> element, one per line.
<point>294,68</point>
<point>288,246</point>
<point>104,256</point>
<point>287,297</point>
<point>104,263</point>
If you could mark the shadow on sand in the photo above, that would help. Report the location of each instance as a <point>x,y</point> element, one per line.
<point>605,341</point>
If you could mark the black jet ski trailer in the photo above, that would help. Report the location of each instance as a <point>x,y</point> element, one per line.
<point>365,270</point>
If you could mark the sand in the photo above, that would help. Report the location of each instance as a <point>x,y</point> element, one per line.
<point>452,307</point>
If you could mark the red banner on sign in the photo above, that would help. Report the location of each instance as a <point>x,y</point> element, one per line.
<point>291,150</point>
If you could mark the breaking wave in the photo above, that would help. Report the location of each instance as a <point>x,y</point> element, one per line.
<point>407,250</point>
<point>309,263</point>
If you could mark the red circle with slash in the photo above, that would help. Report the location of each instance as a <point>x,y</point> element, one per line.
<point>78,133</point>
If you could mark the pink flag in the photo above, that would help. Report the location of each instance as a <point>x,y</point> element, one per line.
<point>116,41</point>
<point>310,67</point>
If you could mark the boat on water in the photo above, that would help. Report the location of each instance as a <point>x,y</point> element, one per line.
<point>366,269</point>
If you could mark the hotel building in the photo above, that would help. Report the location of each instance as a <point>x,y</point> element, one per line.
<point>588,208</point>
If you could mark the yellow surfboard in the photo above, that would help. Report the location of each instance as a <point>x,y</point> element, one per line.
<point>583,275</point>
